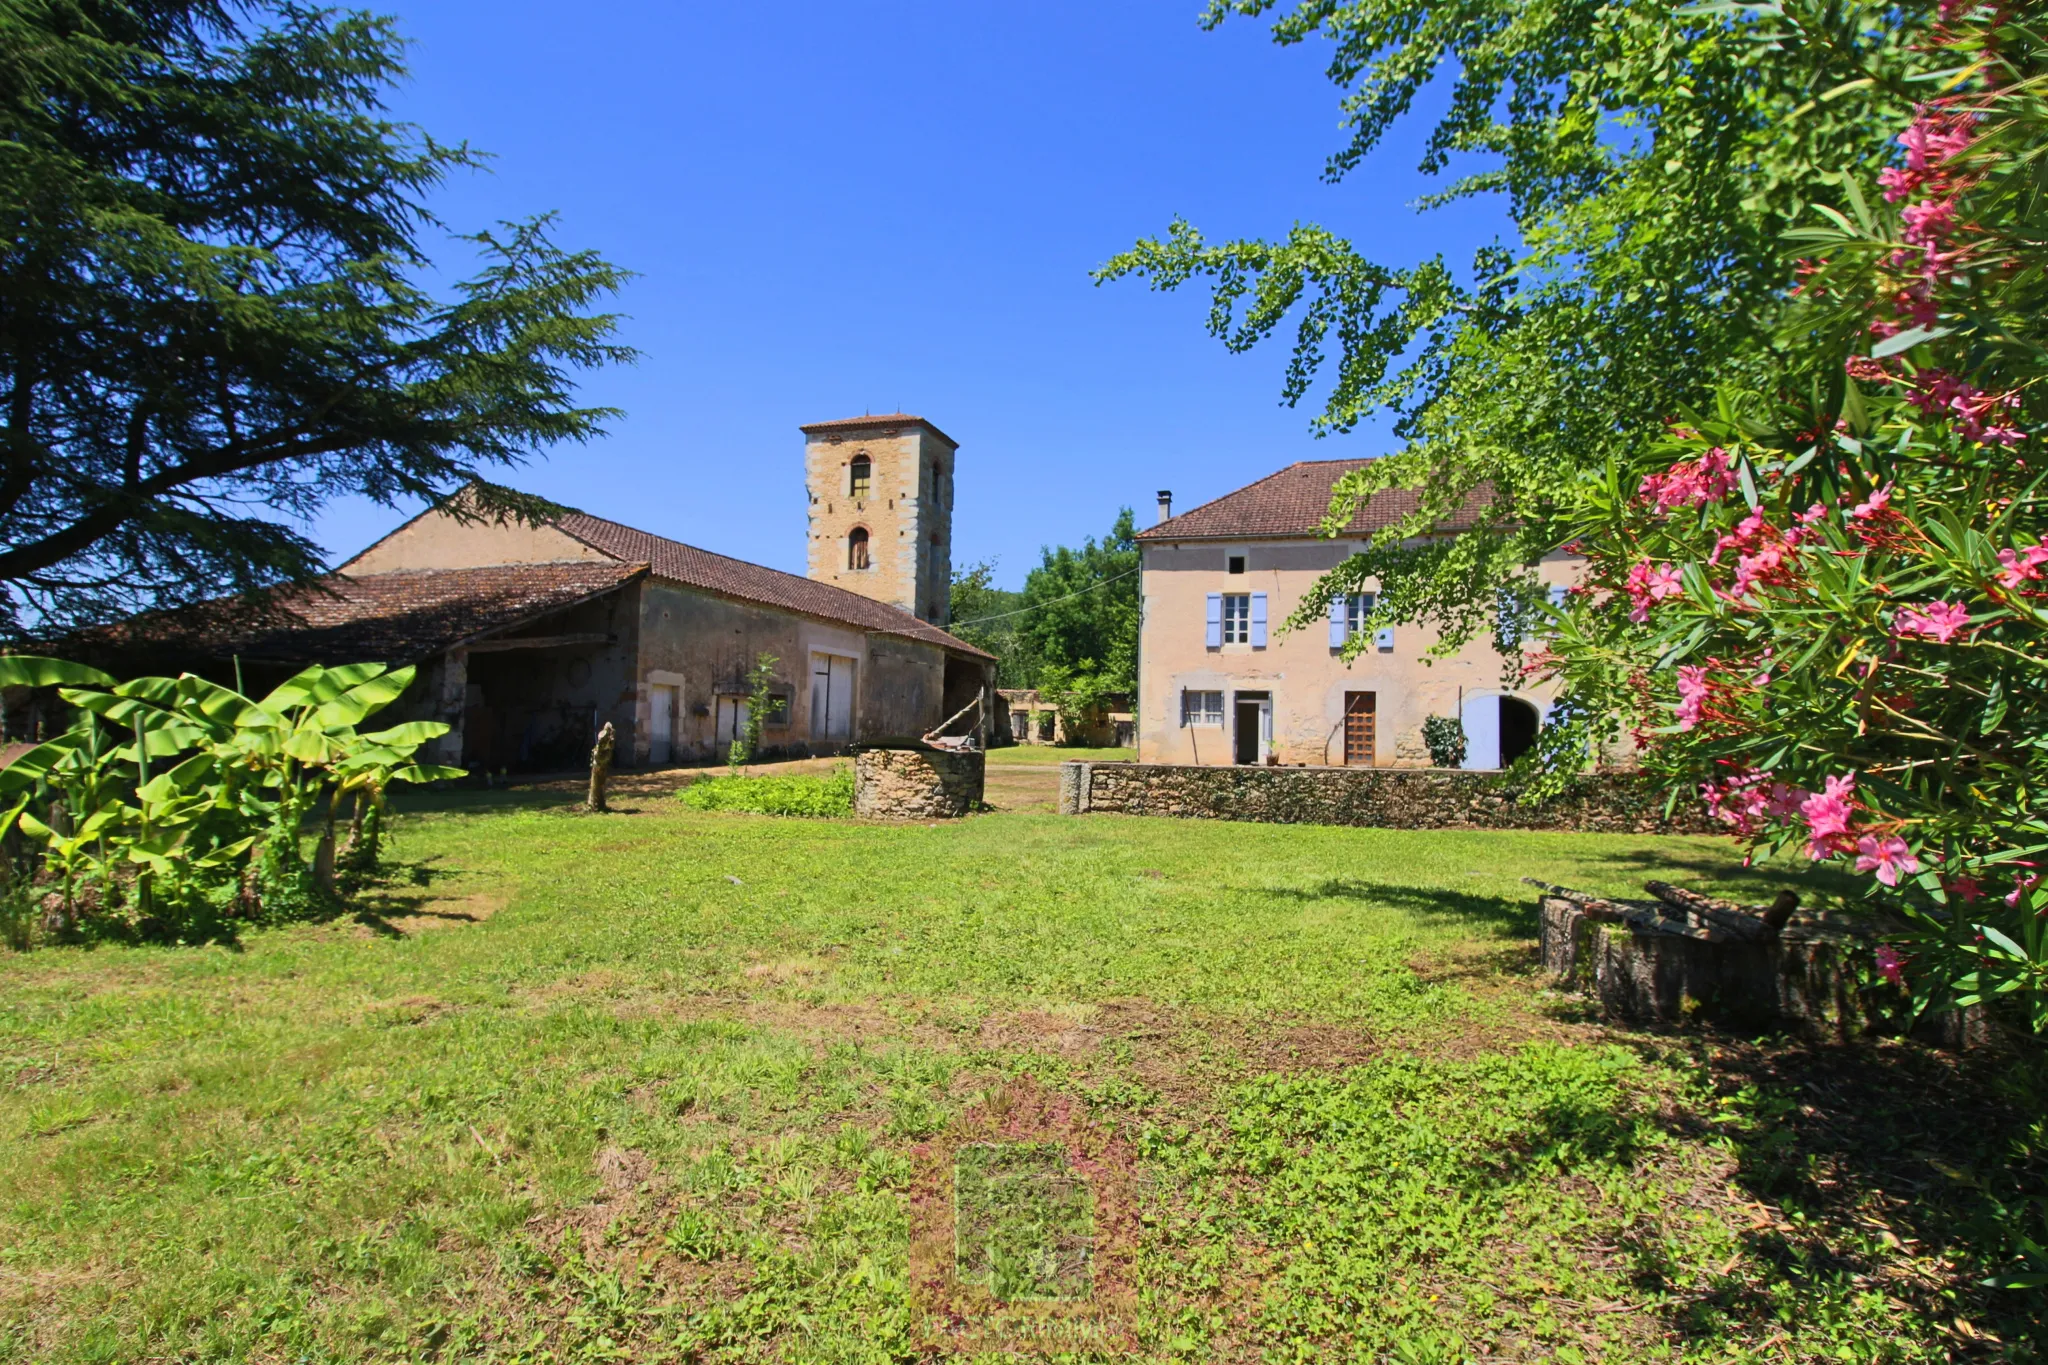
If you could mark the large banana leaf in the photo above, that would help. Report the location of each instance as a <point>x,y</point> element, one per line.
<point>29,670</point>
<point>315,686</point>
<point>410,735</point>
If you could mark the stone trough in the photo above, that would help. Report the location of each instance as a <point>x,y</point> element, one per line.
<point>1683,957</point>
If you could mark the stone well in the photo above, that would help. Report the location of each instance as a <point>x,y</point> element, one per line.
<point>917,784</point>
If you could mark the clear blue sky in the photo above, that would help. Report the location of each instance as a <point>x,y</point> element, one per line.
<point>839,208</point>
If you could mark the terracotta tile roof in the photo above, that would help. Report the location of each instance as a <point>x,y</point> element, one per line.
<point>1294,502</point>
<point>695,568</point>
<point>882,419</point>
<point>392,617</point>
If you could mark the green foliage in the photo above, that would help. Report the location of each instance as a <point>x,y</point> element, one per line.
<point>1821,601</point>
<point>988,617</point>
<point>215,298</point>
<point>1444,737</point>
<point>167,796</point>
<point>1650,156</point>
<point>798,794</point>
<point>1081,607</point>
<point>760,694</point>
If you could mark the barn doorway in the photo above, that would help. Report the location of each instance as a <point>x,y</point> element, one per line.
<point>1253,731</point>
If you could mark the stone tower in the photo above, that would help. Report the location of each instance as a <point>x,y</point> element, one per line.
<point>881,513</point>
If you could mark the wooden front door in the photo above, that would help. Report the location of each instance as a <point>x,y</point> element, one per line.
<point>1361,725</point>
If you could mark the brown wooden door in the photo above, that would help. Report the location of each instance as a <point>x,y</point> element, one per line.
<point>1361,717</point>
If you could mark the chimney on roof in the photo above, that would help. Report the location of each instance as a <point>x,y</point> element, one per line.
<point>1165,504</point>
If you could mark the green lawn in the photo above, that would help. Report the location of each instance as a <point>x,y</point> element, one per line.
<point>677,1085</point>
<point>1056,753</point>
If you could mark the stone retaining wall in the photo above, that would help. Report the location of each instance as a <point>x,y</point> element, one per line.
<point>917,784</point>
<point>1378,798</point>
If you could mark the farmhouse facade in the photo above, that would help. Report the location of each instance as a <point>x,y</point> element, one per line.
<point>529,637</point>
<point>1220,683</point>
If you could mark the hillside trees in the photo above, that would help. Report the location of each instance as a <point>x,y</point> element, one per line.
<point>1072,632</point>
<point>215,311</point>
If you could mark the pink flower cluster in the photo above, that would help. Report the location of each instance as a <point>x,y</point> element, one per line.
<point>1976,413</point>
<point>1751,801</point>
<point>1890,965</point>
<point>1828,813</point>
<point>1934,139</point>
<point>1764,554</point>
<point>1937,621</point>
<point>2022,566</point>
<point>1693,691</point>
<point>1646,585</point>
<point>1690,483</point>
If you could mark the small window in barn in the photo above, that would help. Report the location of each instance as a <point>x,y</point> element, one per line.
<point>778,709</point>
<point>857,548</point>
<point>863,478</point>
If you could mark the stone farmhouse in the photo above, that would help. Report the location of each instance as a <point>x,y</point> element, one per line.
<point>1219,684</point>
<point>528,638</point>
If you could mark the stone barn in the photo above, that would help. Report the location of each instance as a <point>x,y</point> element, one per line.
<point>530,636</point>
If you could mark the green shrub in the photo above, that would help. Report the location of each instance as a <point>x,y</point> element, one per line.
<point>1445,739</point>
<point>830,795</point>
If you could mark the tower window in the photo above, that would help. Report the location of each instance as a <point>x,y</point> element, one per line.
<point>857,548</point>
<point>938,484</point>
<point>863,479</point>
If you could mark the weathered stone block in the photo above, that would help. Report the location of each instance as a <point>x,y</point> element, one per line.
<point>917,784</point>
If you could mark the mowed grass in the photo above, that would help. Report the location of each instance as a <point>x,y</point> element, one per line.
<point>1057,753</point>
<point>679,1085</point>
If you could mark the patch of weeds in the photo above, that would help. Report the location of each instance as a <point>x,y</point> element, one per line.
<point>800,794</point>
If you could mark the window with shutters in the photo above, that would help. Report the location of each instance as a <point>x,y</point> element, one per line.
<point>1201,708</point>
<point>1357,607</point>
<point>1237,618</point>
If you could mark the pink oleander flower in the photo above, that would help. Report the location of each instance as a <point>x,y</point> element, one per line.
<point>1929,222</point>
<point>1692,696</point>
<point>1828,813</point>
<point>1814,515</point>
<point>1688,484</point>
<point>1931,140</point>
<point>2022,884</point>
<point>1887,856</point>
<point>1938,621</point>
<point>1964,888</point>
<point>2022,566</point>
<point>1876,504</point>
<point>1890,965</point>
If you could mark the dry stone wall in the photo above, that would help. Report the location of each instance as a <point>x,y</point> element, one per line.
<point>917,784</point>
<point>1377,798</point>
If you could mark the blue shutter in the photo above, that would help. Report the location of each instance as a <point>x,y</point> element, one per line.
<point>1215,620</point>
<point>1258,620</point>
<point>1338,605</point>
<point>1383,639</point>
<point>1557,591</point>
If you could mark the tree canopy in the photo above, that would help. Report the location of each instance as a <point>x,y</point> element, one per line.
<point>215,311</point>
<point>1650,158</point>
<point>1073,629</point>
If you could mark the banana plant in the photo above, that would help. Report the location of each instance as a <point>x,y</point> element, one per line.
<point>183,782</point>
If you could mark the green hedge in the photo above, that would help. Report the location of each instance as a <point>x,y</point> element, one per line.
<point>829,795</point>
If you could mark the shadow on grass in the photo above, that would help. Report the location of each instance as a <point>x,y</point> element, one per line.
<point>1436,904</point>
<point>1893,1165</point>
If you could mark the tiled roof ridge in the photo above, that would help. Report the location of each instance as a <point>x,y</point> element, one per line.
<point>852,606</point>
<point>1277,506</point>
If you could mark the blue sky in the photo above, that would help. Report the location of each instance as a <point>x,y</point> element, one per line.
<point>836,209</point>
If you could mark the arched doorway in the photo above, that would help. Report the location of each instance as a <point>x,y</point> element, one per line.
<point>1518,722</point>
<point>1498,729</point>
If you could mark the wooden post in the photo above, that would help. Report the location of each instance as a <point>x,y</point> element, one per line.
<point>601,766</point>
